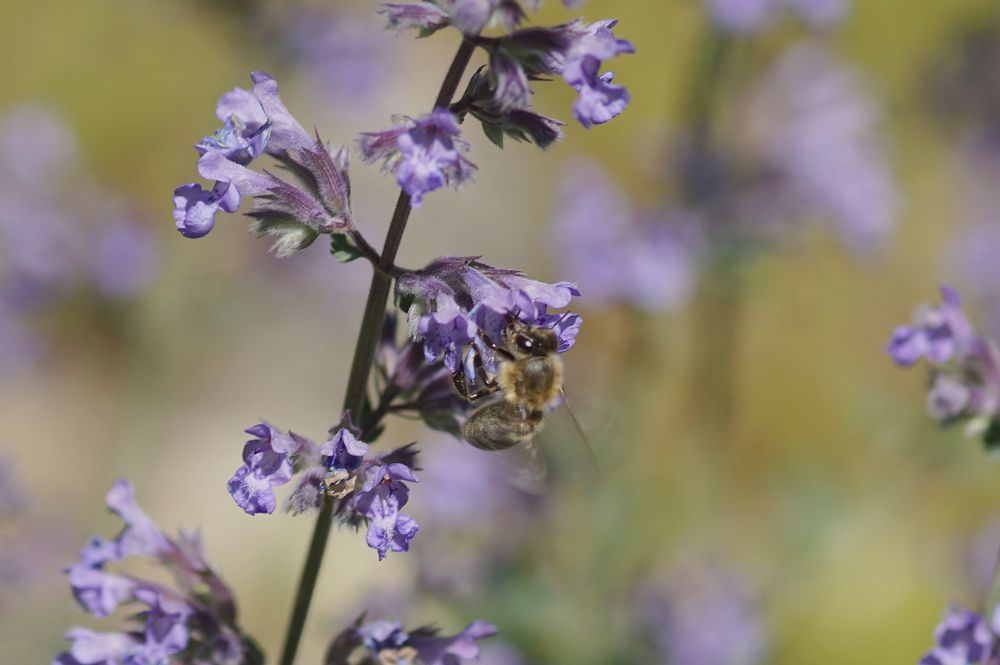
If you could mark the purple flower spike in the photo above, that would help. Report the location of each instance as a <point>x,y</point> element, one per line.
<point>266,466</point>
<point>447,650</point>
<point>424,154</point>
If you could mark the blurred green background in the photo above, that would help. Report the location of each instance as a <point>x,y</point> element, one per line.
<point>848,513</point>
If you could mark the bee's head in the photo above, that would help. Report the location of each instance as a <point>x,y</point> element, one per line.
<point>536,341</point>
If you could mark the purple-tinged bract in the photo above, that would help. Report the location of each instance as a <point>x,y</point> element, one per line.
<point>390,642</point>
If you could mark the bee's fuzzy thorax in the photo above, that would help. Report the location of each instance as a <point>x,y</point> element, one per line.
<point>532,383</point>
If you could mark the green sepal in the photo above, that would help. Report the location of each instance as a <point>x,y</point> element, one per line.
<point>289,234</point>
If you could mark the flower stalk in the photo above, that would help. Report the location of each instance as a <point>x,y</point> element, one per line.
<point>364,354</point>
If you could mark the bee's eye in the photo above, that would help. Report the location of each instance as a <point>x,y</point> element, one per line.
<point>524,342</point>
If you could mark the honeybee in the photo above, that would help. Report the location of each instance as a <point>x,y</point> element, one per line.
<point>529,378</point>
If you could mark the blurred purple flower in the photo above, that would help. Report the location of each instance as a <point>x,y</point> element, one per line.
<point>126,261</point>
<point>814,125</point>
<point>704,615</point>
<point>963,638</point>
<point>199,612</point>
<point>938,333</point>
<point>344,56</point>
<point>424,154</point>
<point>753,16</point>
<point>651,261</point>
<point>965,367</point>
<point>971,258</point>
<point>37,149</point>
<point>742,16</point>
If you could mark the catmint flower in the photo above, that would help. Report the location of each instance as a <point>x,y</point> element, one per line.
<point>600,100</point>
<point>454,299</point>
<point>390,642</point>
<point>254,122</point>
<point>266,465</point>
<point>704,615</point>
<point>292,214</point>
<point>369,489</point>
<point>937,333</point>
<point>964,638</point>
<point>650,259</point>
<point>965,366</point>
<point>197,617</point>
<point>424,154</point>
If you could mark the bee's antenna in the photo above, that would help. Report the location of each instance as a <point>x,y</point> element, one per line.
<point>594,460</point>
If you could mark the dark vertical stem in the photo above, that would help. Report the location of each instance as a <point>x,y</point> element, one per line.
<point>364,354</point>
<point>718,307</point>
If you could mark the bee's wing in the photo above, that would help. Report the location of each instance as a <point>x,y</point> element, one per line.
<point>584,439</point>
<point>525,466</point>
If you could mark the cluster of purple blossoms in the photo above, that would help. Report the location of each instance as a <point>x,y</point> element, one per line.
<point>389,642</point>
<point>965,638</point>
<point>457,305</point>
<point>425,154</point>
<point>193,623</point>
<point>965,366</point>
<point>59,229</point>
<point>255,123</point>
<point>369,489</point>
<point>754,16</point>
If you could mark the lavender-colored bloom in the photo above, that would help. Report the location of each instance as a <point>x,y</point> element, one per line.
<point>704,615</point>
<point>649,260</point>
<point>424,154</point>
<point>937,333</point>
<point>37,148</point>
<point>266,465</point>
<point>195,208</point>
<point>254,122</point>
<point>125,261</point>
<point>965,366</point>
<point>343,450</point>
<point>599,99</point>
<point>379,501</point>
<point>199,614</point>
<point>814,125</point>
<point>963,638</point>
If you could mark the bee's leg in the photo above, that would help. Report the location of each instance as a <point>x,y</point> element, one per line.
<point>499,350</point>
<point>462,387</point>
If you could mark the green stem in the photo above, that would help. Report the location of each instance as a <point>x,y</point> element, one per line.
<point>364,355</point>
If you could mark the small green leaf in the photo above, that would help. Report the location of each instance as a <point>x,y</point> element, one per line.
<point>343,249</point>
<point>991,437</point>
